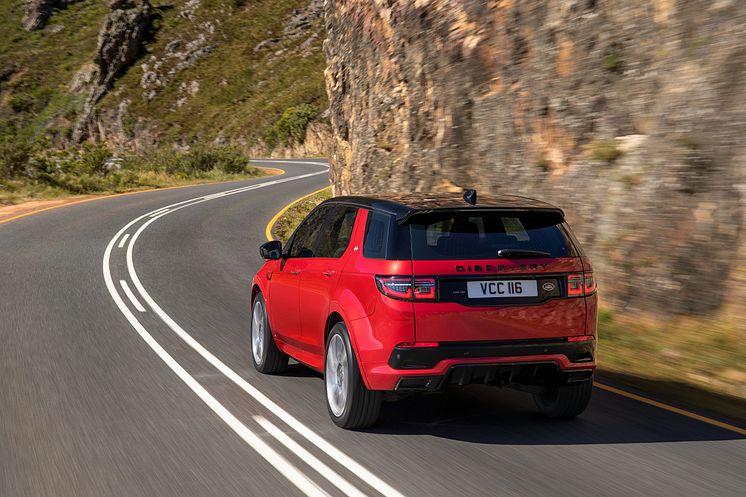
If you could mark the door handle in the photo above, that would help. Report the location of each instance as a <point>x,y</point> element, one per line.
<point>329,272</point>
<point>295,272</point>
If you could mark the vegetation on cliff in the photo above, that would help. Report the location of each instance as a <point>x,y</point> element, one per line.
<point>35,172</point>
<point>141,76</point>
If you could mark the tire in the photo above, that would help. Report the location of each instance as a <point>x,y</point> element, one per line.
<point>350,404</point>
<point>265,355</point>
<point>566,401</point>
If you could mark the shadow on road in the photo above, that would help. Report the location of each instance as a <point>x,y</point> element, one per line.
<point>487,415</point>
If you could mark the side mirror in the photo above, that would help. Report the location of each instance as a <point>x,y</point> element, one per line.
<point>271,250</point>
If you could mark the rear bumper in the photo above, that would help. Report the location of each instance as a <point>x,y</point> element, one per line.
<point>537,374</point>
<point>525,362</point>
<point>429,357</point>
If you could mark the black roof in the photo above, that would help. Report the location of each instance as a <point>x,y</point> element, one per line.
<point>405,205</point>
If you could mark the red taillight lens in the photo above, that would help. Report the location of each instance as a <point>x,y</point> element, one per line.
<point>396,287</point>
<point>580,338</point>
<point>589,283</point>
<point>574,285</point>
<point>424,288</point>
<point>580,284</point>
<point>406,287</point>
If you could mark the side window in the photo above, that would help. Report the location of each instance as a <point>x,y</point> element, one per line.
<point>376,233</point>
<point>307,234</point>
<point>337,232</point>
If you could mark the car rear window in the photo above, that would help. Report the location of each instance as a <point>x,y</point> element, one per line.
<point>447,236</point>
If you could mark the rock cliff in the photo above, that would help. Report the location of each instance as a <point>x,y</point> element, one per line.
<point>119,43</point>
<point>38,12</point>
<point>630,115</point>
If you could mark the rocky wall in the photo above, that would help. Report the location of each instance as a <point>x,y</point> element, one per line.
<point>629,114</point>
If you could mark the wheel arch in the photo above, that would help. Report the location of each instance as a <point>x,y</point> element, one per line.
<point>255,290</point>
<point>333,318</point>
<point>336,316</point>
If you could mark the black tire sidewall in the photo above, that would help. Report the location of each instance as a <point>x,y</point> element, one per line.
<point>567,401</point>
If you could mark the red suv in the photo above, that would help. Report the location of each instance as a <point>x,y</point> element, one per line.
<point>415,292</point>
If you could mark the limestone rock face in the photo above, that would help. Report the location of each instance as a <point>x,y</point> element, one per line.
<point>119,42</point>
<point>38,12</point>
<point>629,115</point>
<point>120,38</point>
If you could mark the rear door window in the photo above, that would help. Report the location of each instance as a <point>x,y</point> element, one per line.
<point>306,236</point>
<point>447,236</point>
<point>335,237</point>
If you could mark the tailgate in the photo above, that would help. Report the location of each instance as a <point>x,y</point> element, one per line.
<point>499,300</point>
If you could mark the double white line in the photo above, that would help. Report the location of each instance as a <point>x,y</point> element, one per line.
<point>287,469</point>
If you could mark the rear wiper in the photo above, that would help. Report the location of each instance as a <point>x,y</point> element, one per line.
<point>518,253</point>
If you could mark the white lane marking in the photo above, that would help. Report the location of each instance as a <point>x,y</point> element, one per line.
<point>309,458</point>
<point>162,211</point>
<point>333,452</point>
<point>124,240</point>
<point>300,480</point>
<point>131,296</point>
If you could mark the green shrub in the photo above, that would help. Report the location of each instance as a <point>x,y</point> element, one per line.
<point>21,102</point>
<point>14,156</point>
<point>39,169</point>
<point>612,62</point>
<point>196,162</point>
<point>292,125</point>
<point>606,151</point>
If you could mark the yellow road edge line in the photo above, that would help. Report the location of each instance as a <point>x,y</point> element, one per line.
<point>271,223</point>
<point>670,408</point>
<point>270,170</point>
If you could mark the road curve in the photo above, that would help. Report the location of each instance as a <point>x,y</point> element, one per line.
<point>126,371</point>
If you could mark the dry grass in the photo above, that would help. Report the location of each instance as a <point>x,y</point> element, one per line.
<point>709,353</point>
<point>16,192</point>
<point>287,223</point>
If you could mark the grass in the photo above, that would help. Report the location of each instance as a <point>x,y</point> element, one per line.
<point>16,192</point>
<point>50,175</point>
<point>292,217</point>
<point>709,353</point>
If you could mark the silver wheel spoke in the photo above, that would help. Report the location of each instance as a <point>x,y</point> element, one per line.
<point>257,332</point>
<point>336,375</point>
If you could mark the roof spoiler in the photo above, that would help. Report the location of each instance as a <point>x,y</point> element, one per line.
<point>407,218</point>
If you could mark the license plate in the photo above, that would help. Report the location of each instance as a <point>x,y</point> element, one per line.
<point>501,288</point>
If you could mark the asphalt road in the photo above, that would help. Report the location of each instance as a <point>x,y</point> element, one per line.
<point>100,399</point>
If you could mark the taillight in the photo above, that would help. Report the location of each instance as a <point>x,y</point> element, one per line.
<point>424,288</point>
<point>396,287</point>
<point>580,284</point>
<point>407,287</point>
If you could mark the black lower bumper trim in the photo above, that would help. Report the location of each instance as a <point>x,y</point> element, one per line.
<point>429,357</point>
<point>521,375</point>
